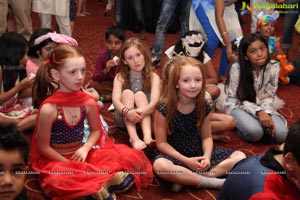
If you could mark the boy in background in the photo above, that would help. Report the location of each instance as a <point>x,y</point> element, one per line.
<point>107,62</point>
<point>14,153</point>
<point>273,175</point>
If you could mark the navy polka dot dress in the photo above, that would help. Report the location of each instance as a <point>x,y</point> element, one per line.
<point>186,138</point>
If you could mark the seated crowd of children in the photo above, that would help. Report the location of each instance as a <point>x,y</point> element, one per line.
<point>43,88</point>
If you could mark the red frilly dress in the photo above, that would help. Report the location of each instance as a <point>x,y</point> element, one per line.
<point>73,179</point>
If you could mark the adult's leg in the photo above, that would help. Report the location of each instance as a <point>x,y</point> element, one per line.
<point>166,13</point>
<point>79,7</point>
<point>224,62</point>
<point>22,13</point>
<point>212,38</point>
<point>119,6</point>
<point>138,9</point>
<point>45,20</point>
<point>64,24</point>
<point>290,19</point>
<point>139,13</point>
<point>184,15</point>
<point>3,16</point>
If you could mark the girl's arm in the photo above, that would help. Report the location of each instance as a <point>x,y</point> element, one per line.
<point>94,125</point>
<point>164,147</point>
<point>10,93</point>
<point>99,68</point>
<point>155,94</point>
<point>271,88</point>
<point>162,144</point>
<point>231,100</point>
<point>47,115</point>
<point>212,76</point>
<point>219,12</point>
<point>117,93</point>
<point>207,142</point>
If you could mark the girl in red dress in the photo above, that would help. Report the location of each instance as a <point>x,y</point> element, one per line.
<point>67,169</point>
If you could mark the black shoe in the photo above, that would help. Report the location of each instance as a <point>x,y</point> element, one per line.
<point>267,136</point>
<point>123,186</point>
<point>155,61</point>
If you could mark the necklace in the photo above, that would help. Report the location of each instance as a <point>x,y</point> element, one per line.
<point>74,117</point>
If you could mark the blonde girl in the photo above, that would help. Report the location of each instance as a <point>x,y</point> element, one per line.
<point>135,92</point>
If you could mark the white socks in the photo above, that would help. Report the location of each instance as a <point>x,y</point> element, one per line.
<point>209,182</point>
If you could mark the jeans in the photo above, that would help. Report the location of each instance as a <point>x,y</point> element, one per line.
<point>137,7</point>
<point>119,5</point>
<point>138,11</point>
<point>290,19</point>
<point>250,129</point>
<point>166,13</point>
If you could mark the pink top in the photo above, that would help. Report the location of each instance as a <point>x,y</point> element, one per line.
<point>31,67</point>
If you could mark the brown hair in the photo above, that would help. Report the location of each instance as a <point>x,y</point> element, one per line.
<point>166,75</point>
<point>44,85</point>
<point>124,68</point>
<point>173,96</point>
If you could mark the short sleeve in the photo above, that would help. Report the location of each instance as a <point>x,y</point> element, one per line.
<point>208,109</point>
<point>162,108</point>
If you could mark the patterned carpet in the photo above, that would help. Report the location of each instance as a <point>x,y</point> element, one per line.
<point>89,31</point>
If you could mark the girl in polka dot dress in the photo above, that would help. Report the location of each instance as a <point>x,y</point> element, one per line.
<point>135,92</point>
<point>185,153</point>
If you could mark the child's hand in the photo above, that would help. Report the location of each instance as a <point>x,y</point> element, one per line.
<point>109,65</point>
<point>296,182</point>
<point>204,163</point>
<point>230,55</point>
<point>266,120</point>
<point>133,116</point>
<point>91,91</point>
<point>26,82</point>
<point>141,112</point>
<point>80,154</point>
<point>194,163</point>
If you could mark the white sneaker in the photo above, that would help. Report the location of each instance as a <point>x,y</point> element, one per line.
<point>155,61</point>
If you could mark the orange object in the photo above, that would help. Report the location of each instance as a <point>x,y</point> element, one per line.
<point>285,69</point>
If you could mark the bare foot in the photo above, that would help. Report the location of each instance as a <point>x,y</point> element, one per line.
<point>149,141</point>
<point>221,138</point>
<point>138,144</point>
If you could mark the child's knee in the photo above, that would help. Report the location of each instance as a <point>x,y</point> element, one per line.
<point>127,93</point>
<point>160,165</point>
<point>230,122</point>
<point>237,156</point>
<point>251,134</point>
<point>140,94</point>
<point>280,134</point>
